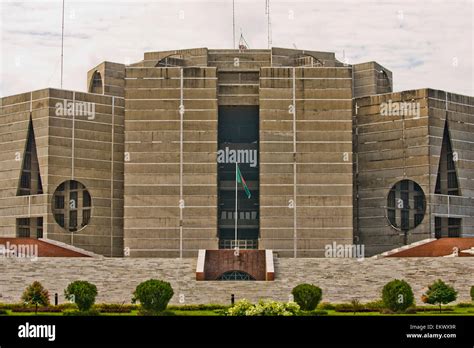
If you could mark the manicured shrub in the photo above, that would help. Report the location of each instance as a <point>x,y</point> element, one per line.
<point>273,308</point>
<point>349,307</point>
<point>433,308</point>
<point>198,307</point>
<point>20,306</point>
<point>307,296</point>
<point>465,305</point>
<point>36,294</point>
<point>326,306</point>
<point>315,313</point>
<point>153,295</point>
<point>397,295</point>
<point>472,293</point>
<point>10,305</point>
<point>112,308</point>
<point>82,293</point>
<point>67,305</point>
<point>440,293</point>
<point>36,310</point>
<point>239,308</point>
<point>3,312</point>
<point>375,305</point>
<point>263,308</point>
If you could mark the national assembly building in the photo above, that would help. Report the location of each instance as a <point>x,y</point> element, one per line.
<point>196,150</point>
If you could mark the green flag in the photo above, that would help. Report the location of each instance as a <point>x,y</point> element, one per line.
<point>241,180</point>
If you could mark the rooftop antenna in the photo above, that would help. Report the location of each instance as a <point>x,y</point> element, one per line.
<point>62,47</point>
<point>233,23</point>
<point>344,59</point>
<point>269,23</point>
<point>243,45</point>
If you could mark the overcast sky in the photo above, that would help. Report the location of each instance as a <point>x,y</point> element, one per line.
<point>425,43</point>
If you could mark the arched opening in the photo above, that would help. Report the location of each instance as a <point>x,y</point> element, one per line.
<point>235,275</point>
<point>306,60</point>
<point>96,85</point>
<point>384,83</point>
<point>173,60</point>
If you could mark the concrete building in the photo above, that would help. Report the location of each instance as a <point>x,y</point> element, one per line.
<point>414,167</point>
<point>143,165</point>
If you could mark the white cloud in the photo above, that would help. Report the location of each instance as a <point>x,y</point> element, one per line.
<point>417,40</point>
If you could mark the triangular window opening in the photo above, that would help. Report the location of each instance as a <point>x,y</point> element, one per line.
<point>447,180</point>
<point>30,179</point>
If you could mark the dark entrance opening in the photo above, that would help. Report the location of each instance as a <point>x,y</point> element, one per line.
<point>238,141</point>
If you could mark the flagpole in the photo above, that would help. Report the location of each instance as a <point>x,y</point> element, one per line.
<point>233,25</point>
<point>236,205</point>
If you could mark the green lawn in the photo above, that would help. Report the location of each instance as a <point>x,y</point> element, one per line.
<point>200,311</point>
<point>457,311</point>
<point>132,313</point>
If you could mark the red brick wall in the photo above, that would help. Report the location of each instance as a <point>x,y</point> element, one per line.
<point>44,249</point>
<point>440,247</point>
<point>220,261</point>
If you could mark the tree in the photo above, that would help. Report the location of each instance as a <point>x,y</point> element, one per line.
<point>82,293</point>
<point>307,296</point>
<point>440,293</point>
<point>397,295</point>
<point>153,295</point>
<point>36,294</point>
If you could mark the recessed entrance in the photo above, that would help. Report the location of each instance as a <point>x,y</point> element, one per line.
<point>238,142</point>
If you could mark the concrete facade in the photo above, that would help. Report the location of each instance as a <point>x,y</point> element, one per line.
<point>391,148</point>
<point>330,165</point>
<point>89,151</point>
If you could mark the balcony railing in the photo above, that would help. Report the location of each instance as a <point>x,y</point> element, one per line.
<point>242,215</point>
<point>241,244</point>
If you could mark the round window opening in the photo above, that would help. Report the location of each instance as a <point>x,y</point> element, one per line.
<point>72,205</point>
<point>406,205</point>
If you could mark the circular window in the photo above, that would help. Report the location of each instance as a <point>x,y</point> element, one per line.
<point>72,205</point>
<point>406,205</point>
